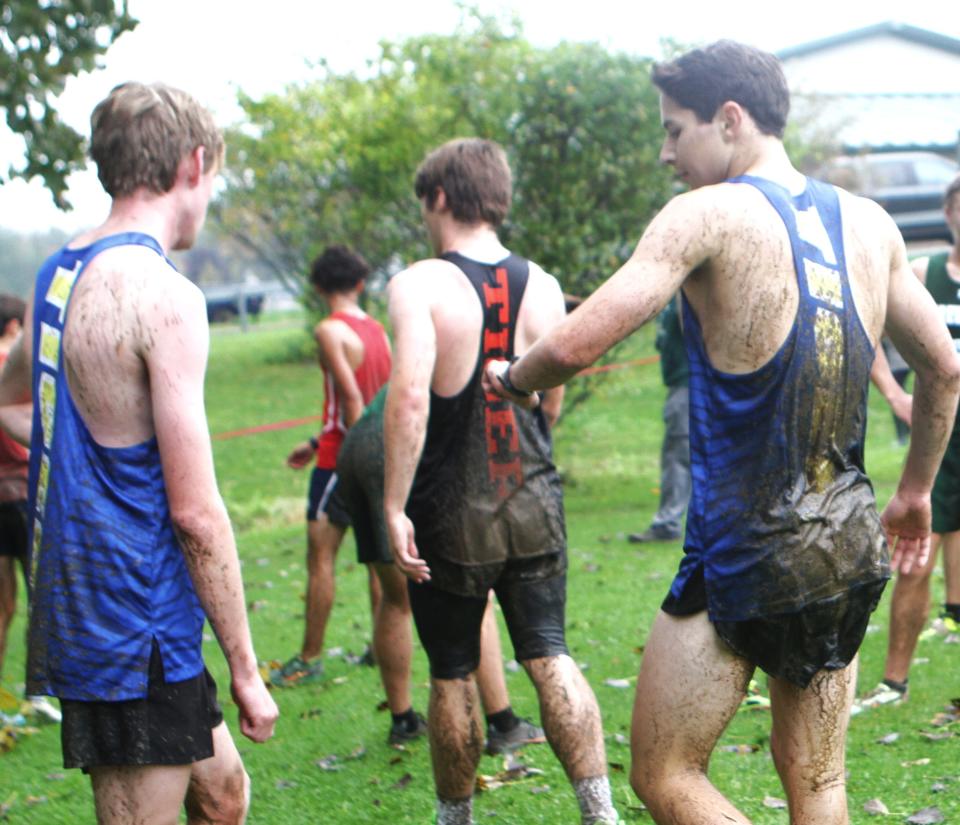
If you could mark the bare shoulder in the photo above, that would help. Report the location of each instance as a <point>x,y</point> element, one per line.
<point>704,218</point>
<point>428,281</point>
<point>543,287</point>
<point>867,219</point>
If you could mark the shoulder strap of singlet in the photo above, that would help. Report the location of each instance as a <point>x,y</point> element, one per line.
<point>500,288</point>
<point>813,221</point>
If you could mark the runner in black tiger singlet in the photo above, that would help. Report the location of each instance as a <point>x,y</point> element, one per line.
<point>485,509</point>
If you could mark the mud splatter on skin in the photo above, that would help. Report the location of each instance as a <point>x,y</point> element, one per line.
<point>570,715</point>
<point>225,803</point>
<point>456,736</point>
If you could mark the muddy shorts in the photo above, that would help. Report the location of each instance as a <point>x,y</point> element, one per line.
<point>359,494</point>
<point>172,726</point>
<point>13,530</point>
<point>824,635</point>
<point>449,624</point>
<point>320,498</point>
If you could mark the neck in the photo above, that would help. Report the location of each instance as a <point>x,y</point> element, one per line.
<point>142,211</point>
<point>344,302</point>
<point>767,158</point>
<point>478,241</point>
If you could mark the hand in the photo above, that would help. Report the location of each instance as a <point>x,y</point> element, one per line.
<point>301,456</point>
<point>902,407</point>
<point>404,548</point>
<point>906,521</point>
<point>257,710</point>
<point>492,382</point>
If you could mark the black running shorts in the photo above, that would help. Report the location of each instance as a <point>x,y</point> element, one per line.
<point>823,635</point>
<point>172,726</point>
<point>533,608</point>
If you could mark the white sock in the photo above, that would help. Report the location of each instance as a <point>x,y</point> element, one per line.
<point>455,812</point>
<point>596,806</point>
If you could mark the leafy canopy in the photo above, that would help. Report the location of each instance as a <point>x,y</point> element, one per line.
<point>333,160</point>
<point>42,43</point>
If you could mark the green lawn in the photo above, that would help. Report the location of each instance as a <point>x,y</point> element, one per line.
<point>329,763</point>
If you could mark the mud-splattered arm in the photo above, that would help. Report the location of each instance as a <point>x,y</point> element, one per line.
<point>174,348</point>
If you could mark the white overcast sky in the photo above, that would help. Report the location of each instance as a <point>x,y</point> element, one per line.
<point>212,48</point>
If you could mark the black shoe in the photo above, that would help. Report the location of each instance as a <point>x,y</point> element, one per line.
<point>400,734</point>
<point>525,733</point>
<point>654,534</point>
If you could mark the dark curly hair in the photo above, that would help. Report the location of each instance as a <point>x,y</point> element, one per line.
<point>338,269</point>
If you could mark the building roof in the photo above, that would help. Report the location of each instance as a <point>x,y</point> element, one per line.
<point>887,121</point>
<point>901,30</point>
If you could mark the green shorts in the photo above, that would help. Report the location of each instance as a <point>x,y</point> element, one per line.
<point>945,498</point>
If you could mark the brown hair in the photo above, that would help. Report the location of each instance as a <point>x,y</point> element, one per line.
<point>12,308</point>
<point>475,177</point>
<point>704,79</point>
<point>140,133</point>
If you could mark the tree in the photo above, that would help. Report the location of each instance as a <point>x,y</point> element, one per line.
<point>42,43</point>
<point>333,160</point>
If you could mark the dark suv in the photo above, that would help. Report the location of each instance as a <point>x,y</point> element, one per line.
<point>909,185</point>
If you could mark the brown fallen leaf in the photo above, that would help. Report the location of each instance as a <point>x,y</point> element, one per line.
<point>516,773</point>
<point>875,807</point>
<point>8,702</point>
<point>774,802</point>
<point>402,782</point>
<point>889,739</point>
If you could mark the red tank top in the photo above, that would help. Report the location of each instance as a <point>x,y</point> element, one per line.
<point>13,465</point>
<point>372,374</point>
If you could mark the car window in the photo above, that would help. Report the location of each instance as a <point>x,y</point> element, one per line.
<point>935,171</point>
<point>890,173</point>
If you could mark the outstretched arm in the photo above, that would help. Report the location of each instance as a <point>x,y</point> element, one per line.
<point>176,357</point>
<point>674,244</point>
<point>406,412</point>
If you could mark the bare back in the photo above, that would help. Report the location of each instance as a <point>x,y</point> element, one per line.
<point>125,301</point>
<point>746,295</point>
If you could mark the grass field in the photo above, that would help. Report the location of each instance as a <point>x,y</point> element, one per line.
<point>329,763</point>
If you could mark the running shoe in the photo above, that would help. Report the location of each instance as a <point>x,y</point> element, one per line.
<point>525,733</point>
<point>754,698</point>
<point>297,671</point>
<point>881,695</point>
<point>400,734</point>
<point>43,709</point>
<point>654,534</point>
